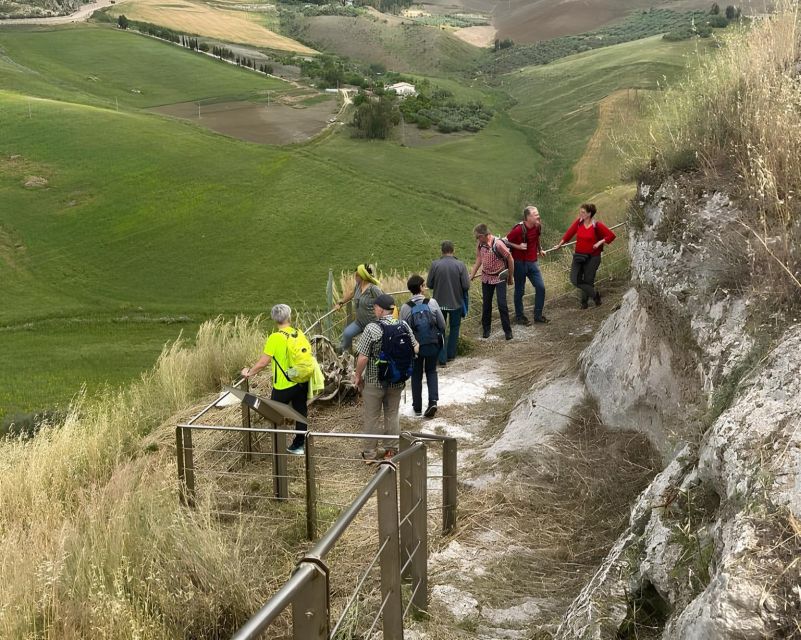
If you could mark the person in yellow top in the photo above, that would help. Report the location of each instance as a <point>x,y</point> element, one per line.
<point>284,390</point>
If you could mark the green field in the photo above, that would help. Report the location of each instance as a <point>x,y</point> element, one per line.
<point>107,67</point>
<point>158,218</point>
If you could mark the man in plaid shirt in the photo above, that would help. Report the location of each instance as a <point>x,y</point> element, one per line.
<point>376,395</point>
<point>493,257</point>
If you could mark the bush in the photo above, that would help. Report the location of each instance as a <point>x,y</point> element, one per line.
<point>717,22</point>
<point>374,119</point>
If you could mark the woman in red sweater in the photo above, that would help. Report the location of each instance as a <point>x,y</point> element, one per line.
<point>591,236</point>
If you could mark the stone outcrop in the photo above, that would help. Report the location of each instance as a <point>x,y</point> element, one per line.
<point>712,547</point>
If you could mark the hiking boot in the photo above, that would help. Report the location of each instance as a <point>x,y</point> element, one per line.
<point>296,450</point>
<point>597,299</point>
<point>418,413</point>
<point>541,320</point>
<point>486,333</point>
<point>584,304</point>
<point>509,335</point>
<point>524,321</point>
<point>431,411</point>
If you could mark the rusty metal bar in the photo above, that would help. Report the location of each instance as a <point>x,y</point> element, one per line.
<point>449,485</point>
<point>311,490</point>
<point>248,439</point>
<point>179,454</point>
<point>280,481</point>
<point>189,468</point>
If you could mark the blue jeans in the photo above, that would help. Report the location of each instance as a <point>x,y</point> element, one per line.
<point>531,271</point>
<point>428,365</point>
<point>350,332</point>
<point>454,319</point>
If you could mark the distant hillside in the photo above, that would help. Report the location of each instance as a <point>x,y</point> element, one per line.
<point>399,45</point>
<point>37,8</point>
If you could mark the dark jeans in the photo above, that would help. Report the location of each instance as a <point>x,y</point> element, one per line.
<point>582,276</point>
<point>427,365</point>
<point>295,396</point>
<point>487,291</point>
<point>454,319</point>
<point>530,270</point>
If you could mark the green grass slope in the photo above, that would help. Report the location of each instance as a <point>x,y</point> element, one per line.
<point>101,65</point>
<point>158,219</point>
<point>560,103</point>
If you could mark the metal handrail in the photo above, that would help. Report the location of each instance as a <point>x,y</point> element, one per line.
<point>308,566</point>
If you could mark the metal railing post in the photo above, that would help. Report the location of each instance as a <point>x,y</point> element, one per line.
<point>280,480</point>
<point>449,485</point>
<point>418,526</point>
<point>329,298</point>
<point>179,454</point>
<point>311,490</point>
<point>392,616</point>
<point>248,439</point>
<point>310,608</point>
<point>406,502</point>
<point>189,468</point>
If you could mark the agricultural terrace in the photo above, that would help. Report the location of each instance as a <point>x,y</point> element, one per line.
<point>202,19</point>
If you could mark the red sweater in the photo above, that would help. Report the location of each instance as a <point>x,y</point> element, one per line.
<point>587,237</point>
<point>533,240</point>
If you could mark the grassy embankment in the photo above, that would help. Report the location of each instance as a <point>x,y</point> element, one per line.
<point>582,108</point>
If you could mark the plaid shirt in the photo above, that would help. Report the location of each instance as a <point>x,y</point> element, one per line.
<point>370,346</point>
<point>492,265</point>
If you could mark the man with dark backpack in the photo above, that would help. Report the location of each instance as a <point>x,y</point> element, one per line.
<point>427,321</point>
<point>386,352</point>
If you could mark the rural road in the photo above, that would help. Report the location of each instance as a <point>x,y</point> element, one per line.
<point>79,16</point>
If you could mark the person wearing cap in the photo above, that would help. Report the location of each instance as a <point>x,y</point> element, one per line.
<point>379,397</point>
<point>493,258</point>
<point>365,291</point>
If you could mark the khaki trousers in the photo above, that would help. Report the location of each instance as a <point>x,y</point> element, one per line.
<point>377,399</point>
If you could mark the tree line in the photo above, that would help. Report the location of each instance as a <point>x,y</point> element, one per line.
<point>190,42</point>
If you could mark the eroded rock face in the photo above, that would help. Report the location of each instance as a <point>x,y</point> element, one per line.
<point>711,549</point>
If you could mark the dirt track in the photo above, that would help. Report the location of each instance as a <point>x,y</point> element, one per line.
<point>79,16</point>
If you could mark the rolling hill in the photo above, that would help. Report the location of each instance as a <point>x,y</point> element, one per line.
<point>141,225</point>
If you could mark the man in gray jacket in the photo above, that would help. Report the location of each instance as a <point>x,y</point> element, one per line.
<point>449,282</point>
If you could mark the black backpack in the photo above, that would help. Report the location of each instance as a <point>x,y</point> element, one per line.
<point>424,324</point>
<point>396,358</point>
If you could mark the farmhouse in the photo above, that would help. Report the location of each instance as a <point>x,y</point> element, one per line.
<point>402,89</point>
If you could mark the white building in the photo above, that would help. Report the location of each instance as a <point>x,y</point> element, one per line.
<point>402,89</point>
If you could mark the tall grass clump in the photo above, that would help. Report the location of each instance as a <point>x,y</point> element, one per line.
<point>93,543</point>
<point>738,120</point>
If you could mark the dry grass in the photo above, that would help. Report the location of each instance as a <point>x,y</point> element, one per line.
<point>92,544</point>
<point>201,19</point>
<point>738,119</point>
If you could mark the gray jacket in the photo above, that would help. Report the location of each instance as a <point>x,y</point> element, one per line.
<point>448,280</point>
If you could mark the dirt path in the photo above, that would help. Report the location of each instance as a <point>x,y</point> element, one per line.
<point>81,15</point>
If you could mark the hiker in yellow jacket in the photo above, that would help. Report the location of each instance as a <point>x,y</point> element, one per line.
<point>276,352</point>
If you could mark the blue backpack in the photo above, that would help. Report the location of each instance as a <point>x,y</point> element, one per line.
<point>424,325</point>
<point>396,358</point>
